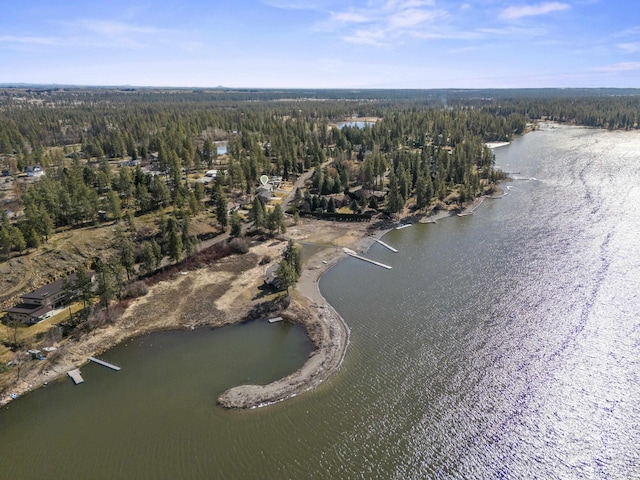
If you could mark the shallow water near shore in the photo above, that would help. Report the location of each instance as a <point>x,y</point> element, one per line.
<point>501,345</point>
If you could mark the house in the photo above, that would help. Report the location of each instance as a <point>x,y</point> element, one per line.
<point>34,171</point>
<point>232,206</point>
<point>275,181</point>
<point>210,176</point>
<point>265,193</point>
<point>40,303</point>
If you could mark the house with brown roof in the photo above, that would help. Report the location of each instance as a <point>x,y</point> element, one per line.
<point>40,303</point>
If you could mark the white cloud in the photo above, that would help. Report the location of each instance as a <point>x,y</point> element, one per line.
<point>386,22</point>
<point>404,4</point>
<point>630,47</point>
<point>520,11</point>
<point>350,17</point>
<point>515,31</point>
<point>290,4</point>
<point>369,36</point>
<point>620,67</point>
<point>413,17</point>
<point>29,40</point>
<point>112,28</point>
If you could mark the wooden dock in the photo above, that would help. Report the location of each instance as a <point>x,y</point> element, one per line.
<point>471,210</point>
<point>75,376</point>
<point>385,245</point>
<point>353,254</point>
<point>104,364</point>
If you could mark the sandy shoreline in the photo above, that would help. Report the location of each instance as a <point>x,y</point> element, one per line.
<point>223,294</point>
<point>326,328</point>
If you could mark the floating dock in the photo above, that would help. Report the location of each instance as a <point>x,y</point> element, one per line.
<point>104,364</point>
<point>75,376</point>
<point>355,255</point>
<point>385,245</point>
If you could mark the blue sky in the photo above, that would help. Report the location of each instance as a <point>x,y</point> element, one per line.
<point>323,43</point>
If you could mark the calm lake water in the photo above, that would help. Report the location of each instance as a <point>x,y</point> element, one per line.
<point>501,345</point>
<point>354,123</point>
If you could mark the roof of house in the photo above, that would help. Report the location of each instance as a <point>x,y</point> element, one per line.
<point>34,311</point>
<point>51,288</point>
<point>264,194</point>
<point>48,290</point>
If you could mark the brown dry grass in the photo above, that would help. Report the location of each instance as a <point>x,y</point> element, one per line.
<point>209,290</point>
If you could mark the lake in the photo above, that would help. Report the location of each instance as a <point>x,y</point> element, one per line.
<point>501,345</point>
<point>354,123</point>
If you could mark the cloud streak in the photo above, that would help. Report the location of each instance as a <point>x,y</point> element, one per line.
<point>521,11</point>
<point>27,40</point>
<point>384,23</point>
<point>630,47</point>
<point>620,67</point>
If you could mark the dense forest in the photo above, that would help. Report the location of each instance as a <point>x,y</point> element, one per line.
<point>109,154</point>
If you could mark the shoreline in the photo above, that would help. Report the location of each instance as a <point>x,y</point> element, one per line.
<point>334,341</point>
<point>326,329</point>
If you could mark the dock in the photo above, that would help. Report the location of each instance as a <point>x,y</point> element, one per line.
<point>353,254</point>
<point>466,213</point>
<point>104,364</point>
<point>75,376</point>
<point>276,319</point>
<point>385,245</point>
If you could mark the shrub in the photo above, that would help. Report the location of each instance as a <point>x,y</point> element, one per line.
<point>270,307</point>
<point>135,290</point>
<point>239,245</point>
<point>265,260</point>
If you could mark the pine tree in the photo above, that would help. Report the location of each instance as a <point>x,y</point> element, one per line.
<point>123,243</point>
<point>147,258</point>
<point>257,213</point>
<point>278,219</point>
<point>83,285</point>
<point>221,208</point>
<point>236,224</point>
<point>175,246</point>
<point>293,255</point>
<point>395,201</point>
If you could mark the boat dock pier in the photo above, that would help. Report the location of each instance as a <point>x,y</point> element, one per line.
<point>353,254</point>
<point>104,364</point>
<point>75,376</point>
<point>470,211</point>
<point>385,245</point>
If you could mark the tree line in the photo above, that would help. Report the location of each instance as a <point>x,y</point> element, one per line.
<point>426,147</point>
